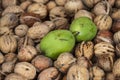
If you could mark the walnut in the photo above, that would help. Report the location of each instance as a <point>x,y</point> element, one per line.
<point>24,5</point>
<point>117,49</point>
<point>115,14</point>
<point>40,1</point>
<point>4,31</point>
<point>61,2</point>
<point>116,37</point>
<point>50,5</point>
<point>2,58</point>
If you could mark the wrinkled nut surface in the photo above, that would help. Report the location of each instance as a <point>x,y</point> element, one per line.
<point>4,30</point>
<point>64,61</point>
<point>104,36</point>
<point>50,5</point>
<point>25,69</point>
<point>41,62</point>
<point>103,22</point>
<point>116,68</point>
<point>24,5</point>
<point>13,9</point>
<point>29,18</point>
<point>8,43</point>
<point>38,30</point>
<point>38,8</point>
<point>10,57</point>
<point>21,30</point>
<point>116,14</point>
<point>48,74</point>
<point>26,53</point>
<point>50,24</point>
<point>15,76</point>
<point>104,48</point>
<point>116,26</point>
<point>57,12</point>
<point>83,13</point>
<point>84,49</point>
<point>117,49</point>
<point>105,62</point>
<point>77,72</point>
<point>9,20</point>
<point>110,76</point>
<point>116,37</point>
<point>60,2</point>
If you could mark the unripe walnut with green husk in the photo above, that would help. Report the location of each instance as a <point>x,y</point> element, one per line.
<point>57,42</point>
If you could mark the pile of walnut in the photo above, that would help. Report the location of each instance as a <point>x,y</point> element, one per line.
<point>23,23</point>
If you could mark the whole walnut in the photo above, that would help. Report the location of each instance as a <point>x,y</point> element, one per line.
<point>82,13</point>
<point>50,5</point>
<point>116,69</point>
<point>57,12</point>
<point>115,14</point>
<point>24,5</point>
<point>21,30</point>
<point>90,3</point>
<point>29,19</point>
<point>102,7</point>
<point>38,31</point>
<point>104,36</point>
<point>38,8</point>
<point>9,20</point>
<point>116,26</point>
<point>15,76</point>
<point>48,74</point>
<point>103,22</point>
<point>26,53</point>
<point>41,62</point>
<point>13,9</point>
<point>8,43</point>
<point>25,69</point>
<point>84,49</point>
<point>116,37</point>
<point>64,61</point>
<point>6,3</point>
<point>77,72</point>
<point>104,48</point>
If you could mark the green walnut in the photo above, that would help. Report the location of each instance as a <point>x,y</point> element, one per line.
<point>57,42</point>
<point>83,29</point>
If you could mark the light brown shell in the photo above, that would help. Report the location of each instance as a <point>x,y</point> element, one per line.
<point>84,49</point>
<point>115,14</point>
<point>21,30</point>
<point>10,57</point>
<point>61,2</point>
<point>13,9</point>
<point>38,8</point>
<point>8,43</point>
<point>4,30</point>
<point>77,72</point>
<point>64,61</point>
<point>116,37</point>
<point>110,76</point>
<point>103,22</point>
<point>25,69</point>
<point>48,74</point>
<point>6,3</point>
<point>83,13</point>
<point>117,49</point>
<point>116,68</point>
<point>50,5</point>
<point>38,31</point>
<point>40,1</point>
<point>14,76</point>
<point>104,48</point>
<point>50,24</point>
<point>24,5</point>
<point>117,3</point>
<point>9,20</point>
<point>41,62</point>
<point>57,12</point>
<point>2,58</point>
<point>26,53</point>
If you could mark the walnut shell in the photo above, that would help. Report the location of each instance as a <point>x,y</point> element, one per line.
<point>115,14</point>
<point>6,3</point>
<point>102,7</point>
<point>41,62</point>
<point>26,53</point>
<point>84,49</point>
<point>38,31</point>
<point>25,69</point>
<point>29,18</point>
<point>72,6</point>
<point>64,61</point>
<point>38,8</point>
<point>103,22</point>
<point>105,62</point>
<point>50,24</point>
<point>9,20</point>
<point>117,49</point>
<point>40,1</point>
<point>48,74</point>
<point>90,3</point>
<point>110,76</point>
<point>4,31</point>
<point>24,5</point>
<point>8,43</point>
<point>13,9</point>
<point>21,30</point>
<point>57,12</point>
<point>116,26</point>
<point>61,2</point>
<point>82,13</point>
<point>2,58</point>
<point>14,76</point>
<point>116,68</point>
<point>10,57</point>
<point>104,48</point>
<point>50,5</point>
<point>104,36</point>
<point>117,3</point>
<point>116,37</point>
<point>77,72</point>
